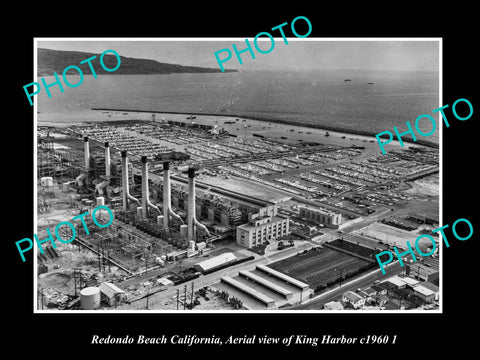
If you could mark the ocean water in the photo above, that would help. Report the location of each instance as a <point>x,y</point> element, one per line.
<point>310,97</point>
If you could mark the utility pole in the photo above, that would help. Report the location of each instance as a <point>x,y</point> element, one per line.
<point>185,297</point>
<point>99,263</point>
<point>146,263</point>
<point>41,295</point>
<point>103,256</point>
<point>191,301</point>
<point>75,281</point>
<point>178,296</point>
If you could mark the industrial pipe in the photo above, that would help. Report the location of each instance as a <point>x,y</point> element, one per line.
<point>192,220</point>
<point>79,179</point>
<point>99,187</point>
<point>126,191</point>
<point>145,193</point>
<point>167,197</point>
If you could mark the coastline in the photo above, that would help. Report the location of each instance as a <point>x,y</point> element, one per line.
<point>278,121</point>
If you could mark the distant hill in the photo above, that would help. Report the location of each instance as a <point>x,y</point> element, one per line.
<point>50,61</point>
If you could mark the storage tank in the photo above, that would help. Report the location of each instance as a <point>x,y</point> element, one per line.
<point>100,200</point>
<point>90,298</point>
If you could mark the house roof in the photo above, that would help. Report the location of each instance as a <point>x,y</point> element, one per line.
<point>379,287</point>
<point>370,291</point>
<point>351,296</point>
<point>333,305</point>
<point>383,297</point>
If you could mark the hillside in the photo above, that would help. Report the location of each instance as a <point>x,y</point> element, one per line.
<point>50,61</point>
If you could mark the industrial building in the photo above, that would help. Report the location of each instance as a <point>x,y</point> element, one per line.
<point>265,225</point>
<point>321,216</point>
<point>112,294</point>
<point>265,288</point>
<point>426,270</point>
<point>424,293</point>
<point>216,262</point>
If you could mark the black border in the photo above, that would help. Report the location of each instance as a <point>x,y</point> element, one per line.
<point>427,333</point>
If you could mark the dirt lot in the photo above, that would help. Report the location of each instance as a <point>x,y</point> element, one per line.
<point>59,281</point>
<point>392,236</point>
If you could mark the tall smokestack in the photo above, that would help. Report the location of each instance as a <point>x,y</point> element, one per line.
<point>107,159</point>
<point>167,197</point>
<point>87,152</point>
<point>192,219</point>
<point>144,186</point>
<point>125,182</point>
<point>191,205</point>
<point>145,192</point>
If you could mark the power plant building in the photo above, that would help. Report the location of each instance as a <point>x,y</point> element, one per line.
<point>266,225</point>
<point>322,216</point>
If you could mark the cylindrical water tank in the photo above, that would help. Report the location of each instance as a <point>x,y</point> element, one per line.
<point>100,200</point>
<point>90,298</point>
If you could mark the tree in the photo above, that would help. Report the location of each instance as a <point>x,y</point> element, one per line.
<point>224,295</point>
<point>235,303</point>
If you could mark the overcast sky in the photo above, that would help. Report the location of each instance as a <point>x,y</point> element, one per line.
<point>299,54</point>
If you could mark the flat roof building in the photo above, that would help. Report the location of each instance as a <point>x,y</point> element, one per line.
<point>397,282</point>
<point>215,262</point>
<point>410,282</point>
<point>431,287</point>
<point>321,216</point>
<point>426,270</point>
<point>424,293</point>
<point>263,226</point>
